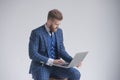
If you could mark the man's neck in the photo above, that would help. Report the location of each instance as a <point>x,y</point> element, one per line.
<point>48,29</point>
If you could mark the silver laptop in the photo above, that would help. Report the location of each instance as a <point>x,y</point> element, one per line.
<point>79,57</point>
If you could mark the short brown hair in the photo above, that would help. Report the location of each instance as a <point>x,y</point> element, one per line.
<point>55,14</point>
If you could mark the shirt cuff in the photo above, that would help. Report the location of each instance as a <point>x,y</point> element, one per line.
<point>50,62</point>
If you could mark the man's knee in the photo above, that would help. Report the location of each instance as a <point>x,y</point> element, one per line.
<point>75,74</point>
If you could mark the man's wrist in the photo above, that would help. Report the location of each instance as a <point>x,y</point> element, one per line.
<point>50,62</point>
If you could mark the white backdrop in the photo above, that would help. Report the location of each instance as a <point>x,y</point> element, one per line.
<point>92,25</point>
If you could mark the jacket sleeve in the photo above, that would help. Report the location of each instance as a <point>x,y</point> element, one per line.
<point>33,48</point>
<point>63,52</point>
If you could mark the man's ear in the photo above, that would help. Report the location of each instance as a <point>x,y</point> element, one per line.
<point>48,23</point>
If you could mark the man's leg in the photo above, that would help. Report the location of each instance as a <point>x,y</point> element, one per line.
<point>70,73</point>
<point>42,73</point>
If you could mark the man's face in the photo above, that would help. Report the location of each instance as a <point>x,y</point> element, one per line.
<point>54,25</point>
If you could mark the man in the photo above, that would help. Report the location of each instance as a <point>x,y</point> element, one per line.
<point>46,48</point>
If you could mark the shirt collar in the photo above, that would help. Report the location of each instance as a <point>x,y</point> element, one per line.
<point>48,30</point>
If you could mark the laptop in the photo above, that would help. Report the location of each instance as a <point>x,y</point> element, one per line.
<point>79,57</point>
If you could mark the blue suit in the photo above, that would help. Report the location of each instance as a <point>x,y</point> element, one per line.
<point>38,52</point>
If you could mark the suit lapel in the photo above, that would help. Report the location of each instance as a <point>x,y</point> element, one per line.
<point>45,35</point>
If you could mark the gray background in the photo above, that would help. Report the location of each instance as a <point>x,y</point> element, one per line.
<point>92,25</point>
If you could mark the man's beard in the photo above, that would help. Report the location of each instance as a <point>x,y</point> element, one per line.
<point>52,29</point>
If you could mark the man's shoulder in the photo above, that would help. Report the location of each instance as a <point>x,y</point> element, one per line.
<point>59,30</point>
<point>38,29</point>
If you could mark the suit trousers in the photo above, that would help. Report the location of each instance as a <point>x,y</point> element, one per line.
<point>45,72</point>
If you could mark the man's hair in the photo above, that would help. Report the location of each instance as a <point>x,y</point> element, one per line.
<point>54,14</point>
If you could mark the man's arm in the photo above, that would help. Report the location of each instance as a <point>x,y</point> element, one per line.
<point>63,52</point>
<point>33,48</point>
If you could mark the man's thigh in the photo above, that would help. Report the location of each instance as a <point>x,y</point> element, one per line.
<point>65,72</point>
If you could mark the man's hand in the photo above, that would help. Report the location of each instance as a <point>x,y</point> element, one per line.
<point>80,64</point>
<point>58,61</point>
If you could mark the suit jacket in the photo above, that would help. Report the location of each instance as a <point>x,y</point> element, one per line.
<point>38,47</point>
